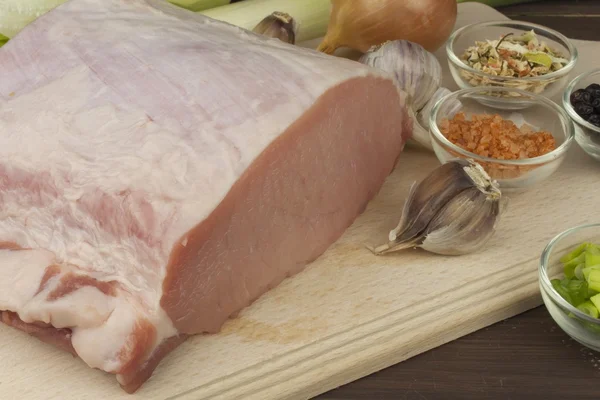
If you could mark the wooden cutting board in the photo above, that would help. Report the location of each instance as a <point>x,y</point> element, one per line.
<point>350,313</point>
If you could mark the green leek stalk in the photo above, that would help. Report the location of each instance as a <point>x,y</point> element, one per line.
<point>16,14</point>
<point>497,3</point>
<point>199,5</point>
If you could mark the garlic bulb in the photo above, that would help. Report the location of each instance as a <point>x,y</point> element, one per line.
<point>415,70</point>
<point>278,25</point>
<point>453,211</point>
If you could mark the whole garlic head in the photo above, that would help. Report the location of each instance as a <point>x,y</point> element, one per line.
<point>414,69</point>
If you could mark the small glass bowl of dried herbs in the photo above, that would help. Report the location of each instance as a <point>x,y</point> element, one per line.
<point>581,100</point>
<point>511,54</point>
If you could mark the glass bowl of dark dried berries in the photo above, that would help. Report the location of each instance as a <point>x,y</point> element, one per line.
<point>581,100</point>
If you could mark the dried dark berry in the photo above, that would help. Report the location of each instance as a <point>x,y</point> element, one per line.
<point>594,92</point>
<point>586,97</point>
<point>584,110</point>
<point>594,119</point>
<point>576,96</point>
<point>596,104</point>
<point>593,86</point>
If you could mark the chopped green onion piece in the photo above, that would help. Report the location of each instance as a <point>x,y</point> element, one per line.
<point>589,308</point>
<point>591,259</point>
<point>587,270</point>
<point>569,267</point>
<point>575,253</point>
<point>574,291</point>
<point>594,280</point>
<point>3,40</point>
<point>595,300</point>
<point>579,272</point>
<point>560,289</point>
<point>578,291</point>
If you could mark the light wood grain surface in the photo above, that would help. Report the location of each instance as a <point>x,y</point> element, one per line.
<point>349,313</point>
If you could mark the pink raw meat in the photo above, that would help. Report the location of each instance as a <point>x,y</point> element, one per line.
<point>159,171</point>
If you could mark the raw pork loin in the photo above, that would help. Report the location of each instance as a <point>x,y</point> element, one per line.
<point>161,170</point>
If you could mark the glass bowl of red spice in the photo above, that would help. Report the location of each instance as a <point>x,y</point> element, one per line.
<point>511,54</point>
<point>518,148</point>
<point>581,101</point>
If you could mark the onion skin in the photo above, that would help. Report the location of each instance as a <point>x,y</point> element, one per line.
<point>361,24</point>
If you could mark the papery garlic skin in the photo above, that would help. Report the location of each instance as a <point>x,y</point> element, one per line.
<point>427,198</point>
<point>415,70</point>
<point>464,225</point>
<point>453,211</point>
<point>278,25</point>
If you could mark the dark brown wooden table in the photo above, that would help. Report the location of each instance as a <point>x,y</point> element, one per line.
<point>522,358</point>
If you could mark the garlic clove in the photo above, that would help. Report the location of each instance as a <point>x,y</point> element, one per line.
<point>464,225</point>
<point>278,25</point>
<point>428,197</point>
<point>452,211</point>
<point>415,70</point>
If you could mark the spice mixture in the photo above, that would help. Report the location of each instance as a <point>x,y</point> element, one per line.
<point>514,56</point>
<point>494,137</point>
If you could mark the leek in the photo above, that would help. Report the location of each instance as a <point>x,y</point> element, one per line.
<point>575,253</point>
<point>311,16</point>
<point>3,40</point>
<point>592,257</point>
<point>590,308</point>
<point>593,280</point>
<point>199,5</point>
<point>16,14</point>
<point>497,3</point>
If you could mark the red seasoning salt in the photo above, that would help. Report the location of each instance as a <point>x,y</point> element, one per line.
<point>492,136</point>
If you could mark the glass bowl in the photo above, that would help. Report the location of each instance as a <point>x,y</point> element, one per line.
<point>540,113</point>
<point>466,77</point>
<point>586,134</point>
<point>577,324</point>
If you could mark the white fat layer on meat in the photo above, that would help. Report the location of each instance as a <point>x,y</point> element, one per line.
<point>20,275</point>
<point>85,308</point>
<point>122,129</point>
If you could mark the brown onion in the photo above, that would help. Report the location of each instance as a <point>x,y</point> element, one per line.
<point>361,24</point>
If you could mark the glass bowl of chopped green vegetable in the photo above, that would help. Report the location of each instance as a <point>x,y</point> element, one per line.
<point>511,54</point>
<point>569,279</point>
<point>581,100</point>
<point>517,148</point>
